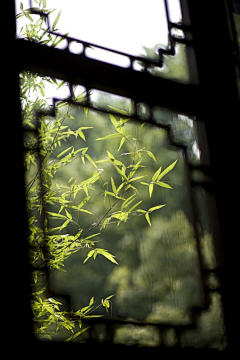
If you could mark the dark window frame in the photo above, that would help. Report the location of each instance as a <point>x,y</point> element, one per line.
<point>216,70</point>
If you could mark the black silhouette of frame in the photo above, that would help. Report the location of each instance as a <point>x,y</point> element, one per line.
<point>211,72</point>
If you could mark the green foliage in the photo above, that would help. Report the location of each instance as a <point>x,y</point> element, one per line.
<point>56,207</point>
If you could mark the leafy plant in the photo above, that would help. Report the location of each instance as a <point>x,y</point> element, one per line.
<point>54,207</point>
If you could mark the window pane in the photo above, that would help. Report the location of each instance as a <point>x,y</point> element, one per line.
<point>95,196</point>
<point>132,28</point>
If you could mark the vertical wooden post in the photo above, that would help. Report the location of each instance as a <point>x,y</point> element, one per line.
<point>218,107</point>
<point>15,290</point>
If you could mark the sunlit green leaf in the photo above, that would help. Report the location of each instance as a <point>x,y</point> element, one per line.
<point>56,20</point>
<point>128,201</point>
<point>121,173</point>
<point>150,189</point>
<point>77,334</point>
<point>120,111</point>
<point>106,192</point>
<point>143,183</point>
<point>68,214</point>
<point>41,91</point>
<point>113,186</point>
<point>148,218</point>
<point>151,155</point>
<point>86,211</point>
<point>156,207</point>
<point>163,184</point>
<point>156,174</point>
<point>141,211</point>
<point>91,236</point>
<point>122,216</point>
<point>61,84</point>
<point>81,134</point>
<point>85,111</point>
<point>111,136</point>
<point>104,223</point>
<point>120,187</point>
<point>137,178</point>
<point>86,199</point>
<point>65,224</point>
<point>134,206</point>
<point>91,160</point>
<point>64,152</point>
<point>169,168</point>
<point>121,142</point>
<point>114,121</point>
<point>28,16</point>
<point>107,255</point>
<point>56,215</point>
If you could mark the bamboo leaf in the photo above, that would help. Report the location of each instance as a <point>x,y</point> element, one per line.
<point>113,186</point>
<point>86,211</point>
<point>106,304</point>
<point>85,127</point>
<point>104,223</point>
<point>85,111</point>
<point>56,215</point>
<point>89,255</point>
<point>151,155</point>
<point>81,134</point>
<point>120,111</point>
<point>91,160</point>
<point>91,236</point>
<point>137,178</point>
<point>56,20</point>
<point>107,255</point>
<point>130,107</point>
<point>163,184</point>
<point>127,201</point>
<point>68,214</point>
<point>114,195</point>
<point>64,152</point>
<point>84,150</point>
<point>65,224</point>
<point>122,216</point>
<point>121,172</point>
<point>120,187</point>
<point>61,84</point>
<point>169,168</point>
<point>113,120</point>
<point>111,136</point>
<point>111,157</point>
<point>148,218</point>
<point>86,199</point>
<point>121,143</point>
<point>150,189</point>
<point>81,97</point>
<point>156,174</point>
<point>141,211</point>
<point>42,91</point>
<point>115,161</point>
<point>156,208</point>
<point>134,206</point>
<point>143,183</point>
<point>91,301</point>
<point>28,16</point>
<point>77,334</point>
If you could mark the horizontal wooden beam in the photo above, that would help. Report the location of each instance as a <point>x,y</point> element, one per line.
<point>94,74</point>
